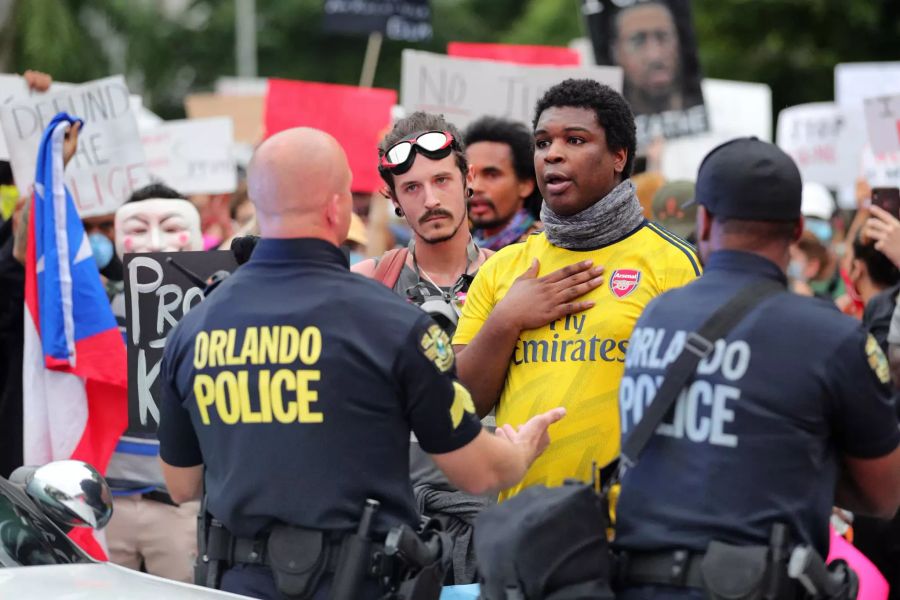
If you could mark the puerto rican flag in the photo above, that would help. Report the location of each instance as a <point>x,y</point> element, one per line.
<point>74,375</point>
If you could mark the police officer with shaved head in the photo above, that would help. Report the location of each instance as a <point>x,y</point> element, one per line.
<point>290,395</point>
<point>748,412</point>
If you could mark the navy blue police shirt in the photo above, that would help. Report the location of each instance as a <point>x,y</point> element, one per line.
<point>297,383</point>
<point>757,435</point>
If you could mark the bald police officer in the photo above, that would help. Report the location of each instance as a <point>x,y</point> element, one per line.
<point>786,415</point>
<point>292,390</point>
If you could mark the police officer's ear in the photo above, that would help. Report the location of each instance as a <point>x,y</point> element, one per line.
<point>704,224</point>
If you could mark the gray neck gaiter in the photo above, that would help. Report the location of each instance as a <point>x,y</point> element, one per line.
<point>605,222</point>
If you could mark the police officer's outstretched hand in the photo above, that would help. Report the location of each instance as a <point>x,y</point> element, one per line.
<point>534,301</point>
<point>532,437</point>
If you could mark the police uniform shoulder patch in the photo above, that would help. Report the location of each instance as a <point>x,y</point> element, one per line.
<point>877,361</point>
<point>435,345</point>
<point>462,403</point>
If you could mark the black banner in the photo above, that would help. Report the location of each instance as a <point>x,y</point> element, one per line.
<point>404,20</point>
<point>157,295</point>
<point>654,43</point>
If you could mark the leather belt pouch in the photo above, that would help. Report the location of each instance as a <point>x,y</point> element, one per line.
<point>298,558</point>
<point>735,572</point>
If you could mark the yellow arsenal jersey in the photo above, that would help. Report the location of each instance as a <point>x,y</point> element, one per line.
<point>578,361</point>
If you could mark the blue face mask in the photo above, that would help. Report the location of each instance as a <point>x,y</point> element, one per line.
<point>819,228</point>
<point>102,248</point>
<point>356,257</point>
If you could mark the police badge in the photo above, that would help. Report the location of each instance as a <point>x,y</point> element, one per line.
<point>436,347</point>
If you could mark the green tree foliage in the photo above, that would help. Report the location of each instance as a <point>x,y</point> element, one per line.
<point>792,45</point>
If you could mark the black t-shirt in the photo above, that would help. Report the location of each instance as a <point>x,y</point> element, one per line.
<point>756,437</point>
<point>297,383</point>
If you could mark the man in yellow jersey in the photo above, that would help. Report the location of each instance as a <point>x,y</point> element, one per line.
<point>546,322</point>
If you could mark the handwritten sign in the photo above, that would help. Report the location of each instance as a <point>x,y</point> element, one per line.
<point>357,117</point>
<point>157,296</point>
<point>464,89</point>
<point>109,163</point>
<point>192,156</point>
<point>14,89</point>
<point>883,123</point>
<point>816,136</point>
<point>405,20</point>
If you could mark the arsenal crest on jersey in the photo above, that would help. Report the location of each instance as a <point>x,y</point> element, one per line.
<point>624,281</point>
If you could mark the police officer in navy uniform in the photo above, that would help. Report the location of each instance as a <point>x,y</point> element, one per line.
<point>788,415</point>
<point>291,391</point>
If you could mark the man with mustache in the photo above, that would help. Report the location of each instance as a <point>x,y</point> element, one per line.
<point>505,202</point>
<point>538,328</point>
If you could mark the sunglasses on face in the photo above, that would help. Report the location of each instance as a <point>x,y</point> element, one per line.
<point>434,144</point>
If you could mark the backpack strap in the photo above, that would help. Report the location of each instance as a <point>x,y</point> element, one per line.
<point>388,269</point>
<point>698,345</point>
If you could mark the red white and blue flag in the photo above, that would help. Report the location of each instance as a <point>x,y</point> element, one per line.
<point>75,394</point>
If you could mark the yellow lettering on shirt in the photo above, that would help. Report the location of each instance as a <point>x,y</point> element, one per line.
<point>276,392</point>
<point>286,378</point>
<point>306,395</point>
<point>217,341</point>
<point>204,392</point>
<point>201,350</point>
<point>268,345</point>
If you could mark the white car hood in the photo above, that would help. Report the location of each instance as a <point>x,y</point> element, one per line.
<point>97,581</point>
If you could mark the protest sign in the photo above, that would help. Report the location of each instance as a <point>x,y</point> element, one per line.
<point>854,82</point>
<point>157,295</point>
<point>464,89</point>
<point>523,55</point>
<point>357,117</point>
<point>736,108</point>
<point>879,170</point>
<point>192,156</point>
<point>109,163</point>
<point>654,43</point>
<point>883,123</point>
<point>404,20</point>
<point>817,136</point>
<point>246,112</point>
<point>14,89</point>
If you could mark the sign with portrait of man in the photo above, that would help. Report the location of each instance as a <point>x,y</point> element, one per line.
<point>653,41</point>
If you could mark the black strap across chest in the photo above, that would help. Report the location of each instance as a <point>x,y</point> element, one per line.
<point>697,346</point>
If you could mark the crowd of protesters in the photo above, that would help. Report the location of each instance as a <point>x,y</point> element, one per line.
<point>439,238</point>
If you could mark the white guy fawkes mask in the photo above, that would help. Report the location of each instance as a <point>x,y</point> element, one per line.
<point>157,225</point>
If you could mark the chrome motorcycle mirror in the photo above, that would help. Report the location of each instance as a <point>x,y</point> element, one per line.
<point>72,493</point>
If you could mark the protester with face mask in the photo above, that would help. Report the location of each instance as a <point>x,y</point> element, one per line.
<point>148,529</point>
<point>869,273</point>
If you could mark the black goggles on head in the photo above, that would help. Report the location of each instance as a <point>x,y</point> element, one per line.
<point>434,144</point>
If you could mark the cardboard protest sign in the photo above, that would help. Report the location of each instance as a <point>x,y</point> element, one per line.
<point>464,89</point>
<point>654,43</point>
<point>883,123</point>
<point>193,156</point>
<point>523,55</point>
<point>157,296</point>
<point>356,117</point>
<point>245,111</point>
<point>109,163</point>
<point>854,82</point>
<point>404,20</point>
<point>14,89</point>
<point>817,138</point>
<point>736,108</point>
